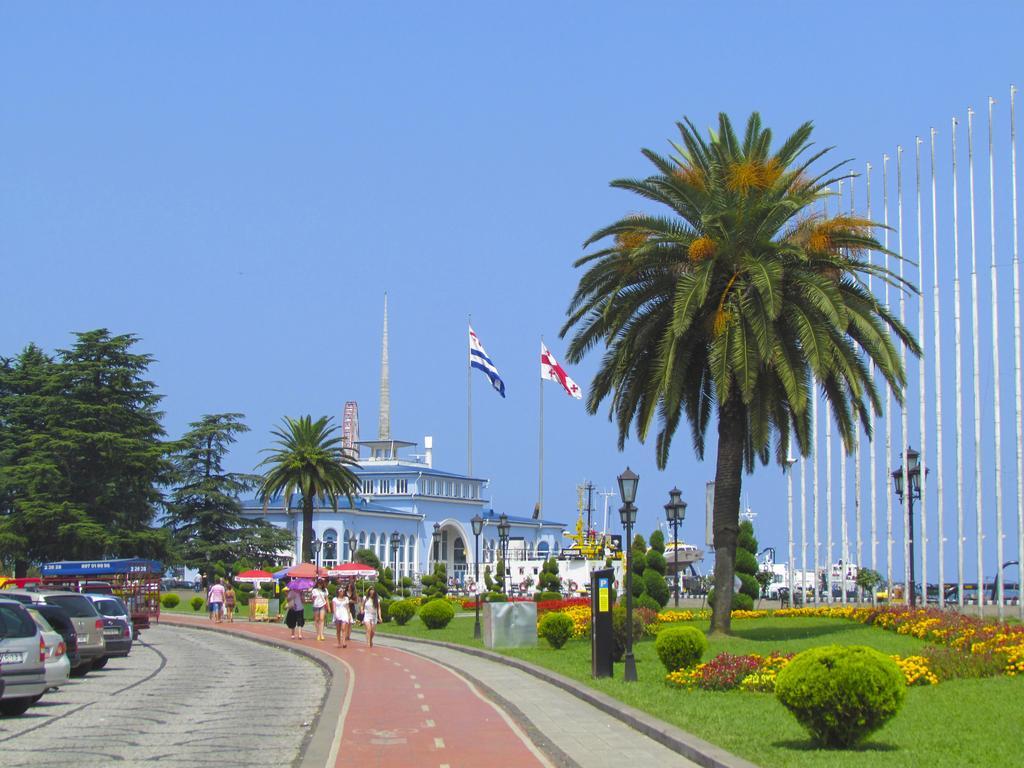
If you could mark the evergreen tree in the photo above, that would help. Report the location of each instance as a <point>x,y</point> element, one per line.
<point>657,541</point>
<point>81,453</point>
<point>204,514</point>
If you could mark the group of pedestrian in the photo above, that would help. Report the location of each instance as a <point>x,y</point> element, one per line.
<point>220,601</point>
<point>346,609</point>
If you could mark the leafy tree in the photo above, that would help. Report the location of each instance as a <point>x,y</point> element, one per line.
<point>741,300</point>
<point>368,557</point>
<point>549,578</point>
<point>81,453</point>
<point>435,584</point>
<point>308,460</point>
<point>500,577</point>
<point>204,514</point>
<point>488,581</point>
<point>868,579</point>
<point>657,541</point>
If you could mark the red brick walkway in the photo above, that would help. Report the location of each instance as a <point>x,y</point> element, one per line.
<point>404,710</point>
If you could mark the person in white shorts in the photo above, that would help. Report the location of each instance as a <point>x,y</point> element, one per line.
<point>341,607</point>
<point>371,614</point>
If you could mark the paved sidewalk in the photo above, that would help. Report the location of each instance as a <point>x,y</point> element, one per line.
<point>583,734</point>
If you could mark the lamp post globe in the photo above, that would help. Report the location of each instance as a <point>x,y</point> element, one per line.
<point>396,543</point>
<point>352,543</point>
<point>503,534</point>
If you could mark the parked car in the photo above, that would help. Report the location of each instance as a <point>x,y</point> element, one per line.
<point>22,659</point>
<point>58,668</point>
<point>58,618</point>
<point>117,627</point>
<point>87,620</point>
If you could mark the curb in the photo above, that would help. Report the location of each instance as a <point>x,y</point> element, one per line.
<point>694,748</point>
<point>316,747</point>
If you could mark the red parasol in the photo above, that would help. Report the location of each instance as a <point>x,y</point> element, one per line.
<point>306,571</point>
<point>254,576</point>
<point>352,571</point>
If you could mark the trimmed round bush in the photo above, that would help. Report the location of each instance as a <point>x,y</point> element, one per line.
<point>740,602</point>
<point>746,562</point>
<point>656,586</point>
<point>402,611</point>
<point>680,647</point>
<point>496,597</point>
<point>436,614</point>
<point>841,694</point>
<point>170,601</point>
<point>556,628</point>
<point>196,603</point>
<point>656,561</point>
<point>550,595</point>
<point>646,601</point>
<point>385,610</point>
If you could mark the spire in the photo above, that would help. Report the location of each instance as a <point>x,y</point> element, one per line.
<point>384,423</point>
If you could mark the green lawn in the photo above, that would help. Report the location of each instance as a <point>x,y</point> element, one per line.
<point>962,722</point>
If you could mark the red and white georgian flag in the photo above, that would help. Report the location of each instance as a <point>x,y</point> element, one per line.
<point>552,371</point>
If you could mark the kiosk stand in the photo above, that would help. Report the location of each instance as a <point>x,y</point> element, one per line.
<point>602,600</point>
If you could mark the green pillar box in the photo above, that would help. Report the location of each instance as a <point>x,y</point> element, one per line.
<point>602,600</point>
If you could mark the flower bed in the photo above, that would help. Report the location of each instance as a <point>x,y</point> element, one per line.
<point>755,673</point>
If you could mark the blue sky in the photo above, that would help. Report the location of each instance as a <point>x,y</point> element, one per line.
<point>239,185</point>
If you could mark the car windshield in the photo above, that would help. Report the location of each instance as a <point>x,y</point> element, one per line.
<point>109,607</point>
<point>25,599</point>
<point>78,607</point>
<point>15,622</point>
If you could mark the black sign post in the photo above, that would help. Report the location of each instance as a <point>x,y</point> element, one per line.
<point>602,600</point>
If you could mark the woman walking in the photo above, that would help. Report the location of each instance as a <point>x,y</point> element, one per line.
<point>295,618</point>
<point>215,600</point>
<point>343,606</point>
<point>320,596</point>
<point>229,601</point>
<point>371,614</point>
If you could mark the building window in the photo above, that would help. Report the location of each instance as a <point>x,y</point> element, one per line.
<point>329,554</point>
<point>403,486</point>
<point>385,486</point>
<point>476,491</point>
<point>368,486</point>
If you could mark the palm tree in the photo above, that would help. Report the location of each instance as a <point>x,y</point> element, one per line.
<point>738,300</point>
<point>308,459</point>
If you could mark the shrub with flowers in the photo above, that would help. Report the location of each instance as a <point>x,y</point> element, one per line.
<point>762,680</point>
<point>723,673</point>
<point>544,606</point>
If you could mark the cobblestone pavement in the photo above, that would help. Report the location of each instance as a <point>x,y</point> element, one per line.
<point>182,698</point>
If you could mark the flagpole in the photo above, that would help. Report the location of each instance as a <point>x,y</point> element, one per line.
<point>977,370</point>
<point>1017,350</point>
<point>469,407</point>
<point>872,458</point>
<point>938,383</point>
<point>997,431</point>
<point>922,425</point>
<point>828,483</point>
<point>540,463</point>
<point>888,390</point>
<point>958,354</point>
<point>908,584</point>
<point>857,497</point>
<point>844,537</point>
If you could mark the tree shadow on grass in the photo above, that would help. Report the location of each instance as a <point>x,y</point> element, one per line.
<point>807,745</point>
<point>793,633</point>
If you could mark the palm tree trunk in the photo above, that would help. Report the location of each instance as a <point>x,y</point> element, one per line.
<point>728,479</point>
<point>307,529</point>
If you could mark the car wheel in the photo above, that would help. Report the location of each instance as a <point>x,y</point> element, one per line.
<point>14,707</point>
<point>100,663</point>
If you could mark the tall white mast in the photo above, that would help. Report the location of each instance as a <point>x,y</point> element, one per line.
<point>384,419</point>
<point>872,470</point>
<point>1017,349</point>
<point>904,416</point>
<point>937,330</point>
<point>888,391</point>
<point>997,431</point>
<point>922,423</point>
<point>959,380</point>
<point>975,328</point>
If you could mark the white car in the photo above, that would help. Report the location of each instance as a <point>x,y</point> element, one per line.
<point>22,657</point>
<point>58,666</point>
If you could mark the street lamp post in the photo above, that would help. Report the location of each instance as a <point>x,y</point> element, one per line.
<point>675,513</point>
<point>478,527</point>
<point>913,475</point>
<point>317,546</point>
<point>435,538</point>
<point>396,540</point>
<point>503,532</point>
<point>352,543</point>
<point>627,513</point>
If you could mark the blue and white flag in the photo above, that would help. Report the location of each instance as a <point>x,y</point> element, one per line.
<point>478,359</point>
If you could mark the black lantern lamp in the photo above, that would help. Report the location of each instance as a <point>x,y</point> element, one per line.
<point>436,539</point>
<point>675,513</point>
<point>913,480</point>
<point>353,542</point>
<point>628,481</point>
<point>503,534</point>
<point>478,528</point>
<point>396,542</point>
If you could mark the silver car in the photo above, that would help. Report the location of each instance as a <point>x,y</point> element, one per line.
<point>58,667</point>
<point>87,620</point>
<point>22,659</point>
